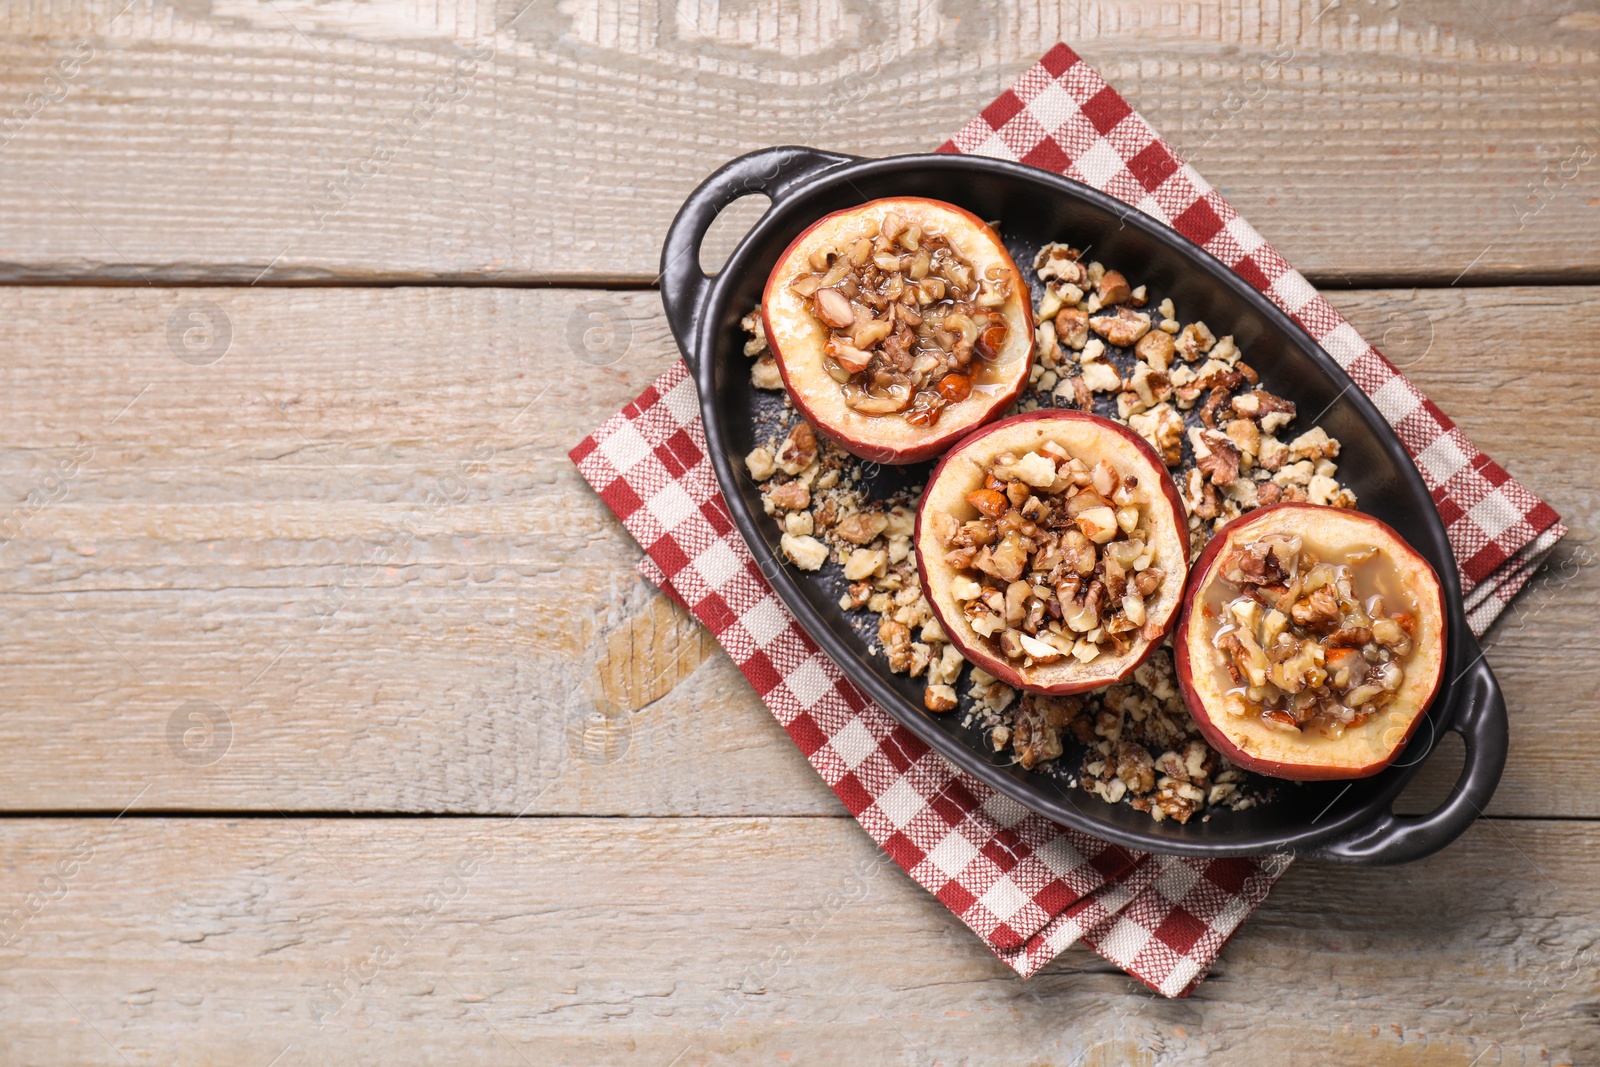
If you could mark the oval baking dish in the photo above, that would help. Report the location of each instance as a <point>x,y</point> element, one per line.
<point>1348,821</point>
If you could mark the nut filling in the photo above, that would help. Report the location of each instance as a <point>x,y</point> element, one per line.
<point>1187,391</point>
<point>1059,561</point>
<point>1303,647</point>
<point>907,315</point>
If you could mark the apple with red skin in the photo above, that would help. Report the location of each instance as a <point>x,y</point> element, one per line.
<point>1306,755</point>
<point>797,337</point>
<point>1089,438</point>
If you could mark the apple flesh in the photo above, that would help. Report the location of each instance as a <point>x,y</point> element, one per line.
<point>799,337</point>
<point>1089,438</point>
<point>1241,732</point>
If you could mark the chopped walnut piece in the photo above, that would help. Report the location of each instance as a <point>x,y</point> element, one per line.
<point>1156,349</point>
<point>1122,329</point>
<point>1319,611</point>
<point>799,449</point>
<point>896,638</point>
<point>1350,637</point>
<point>807,553</point>
<point>1324,490</point>
<point>1075,391</point>
<point>1186,393</point>
<point>1036,737</point>
<point>1101,378</point>
<point>864,563</point>
<point>1314,444</point>
<point>1216,456</point>
<point>948,668</point>
<point>760,464</point>
<point>1059,262</point>
<point>939,698</point>
<point>1270,412</point>
<point>1245,435</point>
<point>1272,454</point>
<point>902,521</point>
<point>1258,564</point>
<point>1221,384</point>
<point>1177,801</point>
<point>1072,327</point>
<point>1048,306</point>
<point>751,325</point>
<point>1162,426</point>
<point>1135,768</point>
<point>861,527</point>
<point>1194,341</point>
<point>764,374</point>
<point>1241,496</point>
<point>1113,289</point>
<point>1199,495</point>
<point>995,696</point>
<point>789,496</point>
<point>1297,474</point>
<point>1044,343</point>
<point>1152,384</point>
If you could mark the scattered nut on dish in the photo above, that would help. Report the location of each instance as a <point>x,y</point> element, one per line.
<point>1312,643</point>
<point>1137,742</point>
<point>1052,549</point>
<point>898,326</point>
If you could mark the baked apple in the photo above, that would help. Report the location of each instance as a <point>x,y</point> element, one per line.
<point>1052,548</point>
<point>1311,642</point>
<point>899,326</point>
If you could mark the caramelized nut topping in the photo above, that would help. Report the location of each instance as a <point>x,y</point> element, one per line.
<point>1303,648</point>
<point>1139,744</point>
<point>911,322</point>
<point>1059,561</point>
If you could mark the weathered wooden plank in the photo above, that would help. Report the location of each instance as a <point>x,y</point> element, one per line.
<point>522,143</point>
<point>356,536</point>
<point>233,541</point>
<point>1491,362</point>
<point>697,941</point>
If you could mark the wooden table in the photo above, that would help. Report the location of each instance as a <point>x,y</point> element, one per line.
<point>339,727</point>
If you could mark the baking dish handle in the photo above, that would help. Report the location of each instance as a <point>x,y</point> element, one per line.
<point>1404,838</point>
<point>772,171</point>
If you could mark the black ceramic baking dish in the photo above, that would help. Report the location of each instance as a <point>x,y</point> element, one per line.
<point>1347,821</point>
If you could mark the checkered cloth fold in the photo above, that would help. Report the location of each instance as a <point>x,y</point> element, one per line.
<point>1029,887</point>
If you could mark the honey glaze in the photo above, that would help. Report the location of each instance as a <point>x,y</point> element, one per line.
<point>913,325</point>
<point>1311,637</point>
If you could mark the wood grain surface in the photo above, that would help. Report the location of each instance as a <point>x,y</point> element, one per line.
<point>356,540</point>
<point>339,727</point>
<point>716,941</point>
<point>1373,143</point>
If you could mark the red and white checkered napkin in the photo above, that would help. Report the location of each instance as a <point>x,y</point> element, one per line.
<point>1026,886</point>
